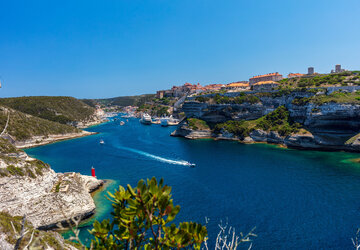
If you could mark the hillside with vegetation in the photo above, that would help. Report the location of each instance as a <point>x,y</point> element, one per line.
<point>347,78</point>
<point>279,120</point>
<point>24,126</point>
<point>58,109</point>
<point>123,101</point>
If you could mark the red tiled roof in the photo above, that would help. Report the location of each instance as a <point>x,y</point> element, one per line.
<point>271,74</point>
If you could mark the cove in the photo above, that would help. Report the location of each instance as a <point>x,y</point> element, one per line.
<point>295,199</point>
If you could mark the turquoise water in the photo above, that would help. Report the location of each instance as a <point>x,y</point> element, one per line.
<point>295,199</point>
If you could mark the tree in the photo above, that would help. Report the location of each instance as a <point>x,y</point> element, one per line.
<point>141,219</point>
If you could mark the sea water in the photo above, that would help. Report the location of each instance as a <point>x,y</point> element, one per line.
<point>295,199</point>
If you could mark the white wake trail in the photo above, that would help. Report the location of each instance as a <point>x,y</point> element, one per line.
<point>158,158</point>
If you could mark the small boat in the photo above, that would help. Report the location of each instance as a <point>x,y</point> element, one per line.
<point>191,165</point>
<point>122,123</point>
<point>146,119</point>
<point>102,142</point>
<point>164,122</point>
<point>172,121</point>
<point>156,121</point>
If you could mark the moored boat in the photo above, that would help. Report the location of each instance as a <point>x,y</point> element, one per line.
<point>172,121</point>
<point>146,119</point>
<point>164,122</point>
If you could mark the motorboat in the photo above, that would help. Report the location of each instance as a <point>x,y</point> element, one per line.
<point>146,119</point>
<point>122,123</point>
<point>156,121</point>
<point>191,165</point>
<point>172,121</point>
<point>102,142</point>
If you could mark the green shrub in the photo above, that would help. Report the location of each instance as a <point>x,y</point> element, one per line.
<point>278,120</point>
<point>242,98</point>
<point>301,101</point>
<point>23,126</point>
<point>202,99</point>
<point>15,170</point>
<point>238,128</point>
<point>141,219</point>
<point>197,124</point>
<point>54,108</point>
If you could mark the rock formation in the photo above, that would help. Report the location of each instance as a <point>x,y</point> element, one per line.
<point>30,187</point>
<point>329,125</point>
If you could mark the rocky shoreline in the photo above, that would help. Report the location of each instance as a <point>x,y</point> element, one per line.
<point>326,125</point>
<point>301,140</point>
<point>30,187</point>
<point>43,140</point>
<point>49,200</point>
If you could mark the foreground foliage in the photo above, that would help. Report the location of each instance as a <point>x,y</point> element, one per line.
<point>141,219</point>
<point>20,233</point>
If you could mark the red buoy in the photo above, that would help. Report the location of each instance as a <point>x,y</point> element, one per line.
<point>93,172</point>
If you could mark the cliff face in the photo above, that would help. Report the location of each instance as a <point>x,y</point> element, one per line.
<point>30,187</point>
<point>183,130</point>
<point>330,125</point>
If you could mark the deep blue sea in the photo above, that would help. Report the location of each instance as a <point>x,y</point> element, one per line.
<point>295,199</point>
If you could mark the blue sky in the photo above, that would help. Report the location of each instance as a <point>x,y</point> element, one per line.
<point>97,49</point>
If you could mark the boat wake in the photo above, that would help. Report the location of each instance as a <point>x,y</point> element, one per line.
<point>158,158</point>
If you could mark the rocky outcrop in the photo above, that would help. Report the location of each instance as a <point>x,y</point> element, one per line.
<point>183,130</point>
<point>330,125</point>
<point>95,119</point>
<point>32,188</point>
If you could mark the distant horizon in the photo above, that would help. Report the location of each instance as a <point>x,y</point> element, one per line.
<point>169,87</point>
<point>124,48</point>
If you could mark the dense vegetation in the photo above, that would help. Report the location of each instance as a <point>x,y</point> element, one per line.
<point>141,220</point>
<point>336,97</point>
<point>90,102</point>
<point>222,99</point>
<point>154,109</point>
<point>240,129</point>
<point>278,120</point>
<point>23,126</point>
<point>168,101</point>
<point>127,100</point>
<point>54,108</point>
<point>202,99</point>
<point>339,79</point>
<point>197,124</point>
